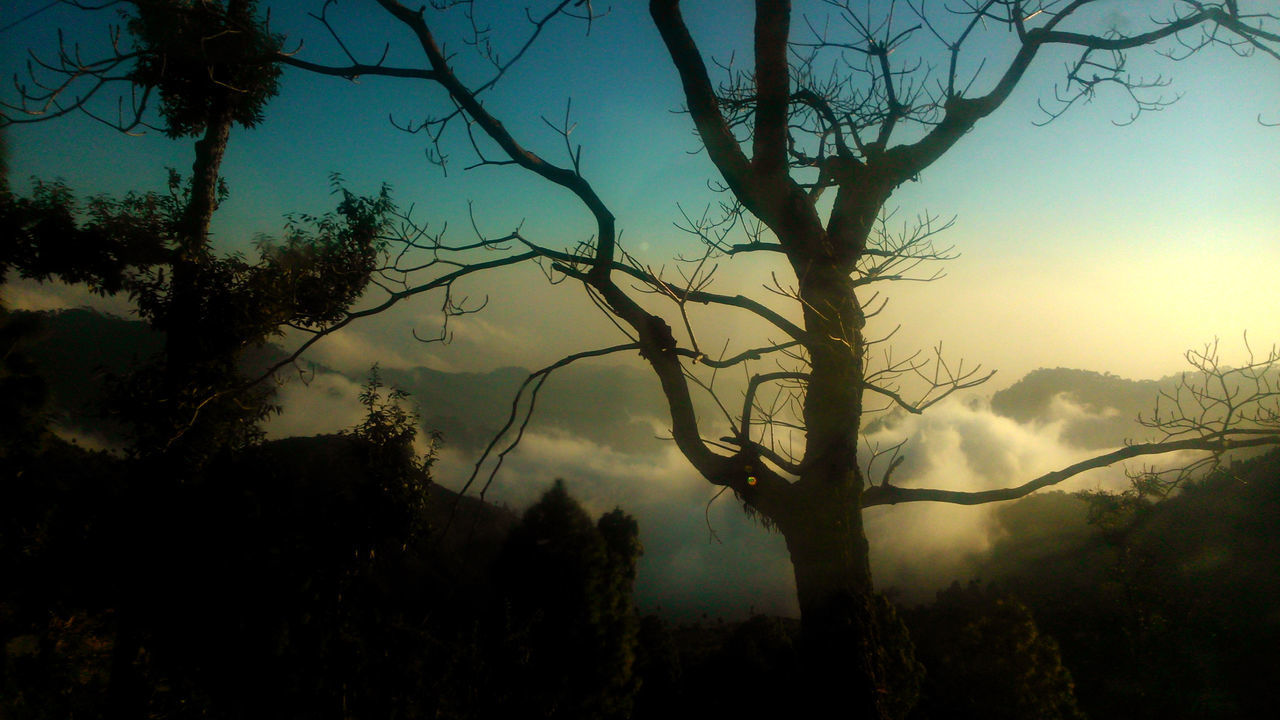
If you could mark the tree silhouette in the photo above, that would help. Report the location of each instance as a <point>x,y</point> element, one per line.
<point>212,66</point>
<point>568,585</point>
<point>286,579</point>
<point>988,659</point>
<point>810,141</point>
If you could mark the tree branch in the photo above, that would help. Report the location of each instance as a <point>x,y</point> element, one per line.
<point>892,495</point>
<point>773,24</point>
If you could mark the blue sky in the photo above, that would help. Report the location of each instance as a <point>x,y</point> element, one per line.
<point>1082,243</point>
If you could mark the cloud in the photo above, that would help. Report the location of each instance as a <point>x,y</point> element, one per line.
<point>703,556</point>
<point>698,559</point>
<point>327,404</point>
<point>24,294</point>
<point>85,438</point>
<point>356,348</point>
<point>920,547</point>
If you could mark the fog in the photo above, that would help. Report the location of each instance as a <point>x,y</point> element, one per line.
<point>703,554</point>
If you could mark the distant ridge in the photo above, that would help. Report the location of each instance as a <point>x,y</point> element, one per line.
<point>80,348</point>
<point>1111,404</point>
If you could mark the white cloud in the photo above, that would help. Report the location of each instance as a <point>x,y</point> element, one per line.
<point>23,294</point>
<point>964,446</point>
<point>327,404</point>
<point>354,349</point>
<point>685,570</point>
<point>716,560</point>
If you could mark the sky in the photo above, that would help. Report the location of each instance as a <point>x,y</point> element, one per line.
<point>1083,243</point>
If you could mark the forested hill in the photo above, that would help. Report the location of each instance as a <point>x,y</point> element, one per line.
<point>1162,610</point>
<point>1099,410</point>
<point>79,350</point>
<point>76,351</point>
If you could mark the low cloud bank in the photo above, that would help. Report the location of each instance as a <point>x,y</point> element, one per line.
<point>327,403</point>
<point>700,557</point>
<point>921,547</point>
<point>705,556</point>
<point>717,560</point>
<point>25,294</point>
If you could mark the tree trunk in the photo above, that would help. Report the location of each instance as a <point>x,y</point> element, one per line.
<point>184,312</point>
<point>841,651</point>
<point>855,654</point>
<point>186,335</point>
<point>845,648</point>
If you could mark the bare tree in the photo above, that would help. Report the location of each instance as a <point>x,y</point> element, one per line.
<point>811,140</point>
<point>846,107</point>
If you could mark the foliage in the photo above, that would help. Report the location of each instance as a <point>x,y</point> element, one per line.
<point>1165,609</point>
<point>986,658</point>
<point>568,584</point>
<point>904,671</point>
<point>131,244</point>
<point>213,64</point>
<point>194,50</point>
<point>55,625</point>
<point>101,245</point>
<point>286,579</point>
<point>388,431</point>
<point>324,262</point>
<point>745,669</point>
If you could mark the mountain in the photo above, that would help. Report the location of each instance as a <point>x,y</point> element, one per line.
<point>1100,409</point>
<point>582,400</point>
<point>78,352</point>
<point>80,349</point>
<point>1166,612</point>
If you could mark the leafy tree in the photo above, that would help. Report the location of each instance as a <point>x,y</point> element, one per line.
<point>208,61</point>
<point>307,278</point>
<point>212,65</point>
<point>810,142</point>
<point>389,432</point>
<point>986,658</point>
<point>569,585</point>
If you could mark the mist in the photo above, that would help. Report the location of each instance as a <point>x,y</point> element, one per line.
<point>703,553</point>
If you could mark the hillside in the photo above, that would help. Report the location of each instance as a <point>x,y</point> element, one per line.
<point>1170,613</point>
<point>1109,405</point>
<point>80,349</point>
